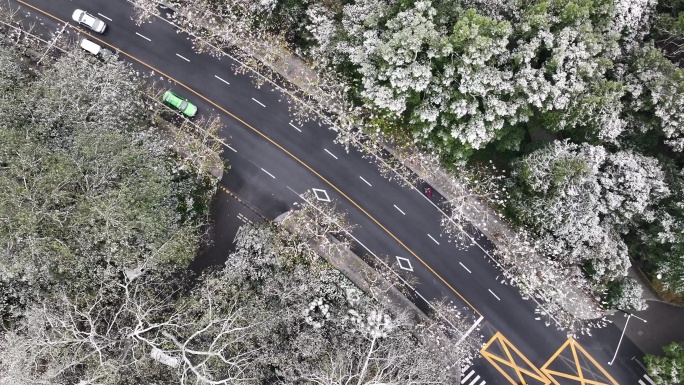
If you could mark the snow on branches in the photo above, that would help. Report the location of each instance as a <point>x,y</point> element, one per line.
<point>581,199</point>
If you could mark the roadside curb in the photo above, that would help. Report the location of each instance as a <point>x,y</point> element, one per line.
<point>361,274</point>
<point>495,228</point>
<point>293,68</point>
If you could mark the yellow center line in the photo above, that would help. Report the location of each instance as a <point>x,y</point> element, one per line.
<point>278,146</point>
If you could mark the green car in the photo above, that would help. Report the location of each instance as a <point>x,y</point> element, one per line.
<point>183,105</point>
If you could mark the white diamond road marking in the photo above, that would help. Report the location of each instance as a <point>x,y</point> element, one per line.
<point>401,265</point>
<point>243,218</point>
<point>323,196</point>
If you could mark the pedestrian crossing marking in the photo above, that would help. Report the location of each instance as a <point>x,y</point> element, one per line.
<point>648,379</point>
<point>510,362</point>
<point>572,362</point>
<point>470,381</point>
<point>467,377</point>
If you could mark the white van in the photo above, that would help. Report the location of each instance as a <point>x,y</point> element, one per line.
<point>95,48</point>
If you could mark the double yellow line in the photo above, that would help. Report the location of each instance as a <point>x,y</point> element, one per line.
<point>272,142</point>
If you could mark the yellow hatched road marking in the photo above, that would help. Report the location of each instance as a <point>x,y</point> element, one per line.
<point>578,376</point>
<point>510,362</point>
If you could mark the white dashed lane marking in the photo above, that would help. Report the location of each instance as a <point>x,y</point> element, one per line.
<point>295,127</point>
<point>395,206</point>
<point>105,16</point>
<point>144,37</point>
<point>221,79</point>
<point>365,181</point>
<point>495,296</point>
<point>463,266</point>
<point>269,174</point>
<point>331,154</point>
<point>260,103</point>
<point>184,58</point>
<point>433,239</point>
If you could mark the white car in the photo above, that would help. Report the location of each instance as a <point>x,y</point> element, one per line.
<point>88,20</point>
<point>96,49</point>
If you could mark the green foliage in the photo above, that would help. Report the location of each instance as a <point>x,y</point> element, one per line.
<point>659,245</point>
<point>85,186</point>
<point>667,370</point>
<point>624,294</point>
<point>669,22</point>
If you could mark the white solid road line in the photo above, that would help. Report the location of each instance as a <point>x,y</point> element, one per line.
<point>331,154</point>
<point>395,206</point>
<point>472,327</point>
<point>105,16</point>
<point>184,58</point>
<point>462,265</point>
<point>295,127</point>
<point>365,181</point>
<point>433,239</point>
<point>495,296</point>
<point>221,79</point>
<point>262,104</point>
<point>234,150</point>
<point>269,174</point>
<point>464,379</point>
<point>144,37</point>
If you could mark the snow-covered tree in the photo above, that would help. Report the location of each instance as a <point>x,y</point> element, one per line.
<point>670,368</point>
<point>656,86</point>
<point>580,198</point>
<point>625,294</point>
<point>86,185</point>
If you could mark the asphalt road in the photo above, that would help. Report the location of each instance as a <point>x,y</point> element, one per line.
<point>274,159</point>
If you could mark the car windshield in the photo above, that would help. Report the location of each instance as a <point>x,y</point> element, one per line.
<point>183,106</point>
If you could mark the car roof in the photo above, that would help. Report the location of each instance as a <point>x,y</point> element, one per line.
<point>88,19</point>
<point>90,46</point>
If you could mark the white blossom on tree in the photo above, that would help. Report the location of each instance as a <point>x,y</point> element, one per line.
<point>657,92</point>
<point>582,198</point>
